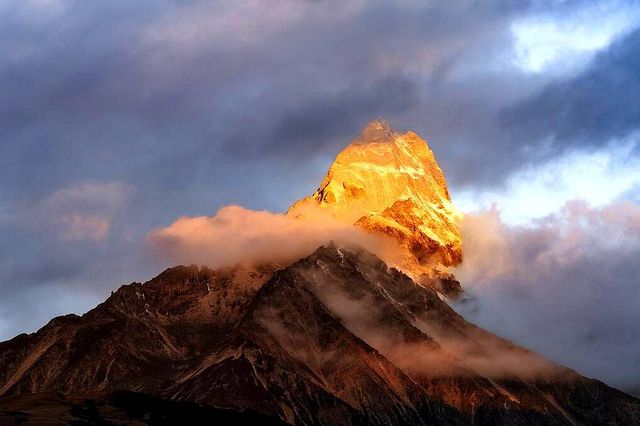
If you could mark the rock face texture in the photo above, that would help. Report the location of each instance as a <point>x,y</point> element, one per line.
<point>336,338</point>
<point>390,183</point>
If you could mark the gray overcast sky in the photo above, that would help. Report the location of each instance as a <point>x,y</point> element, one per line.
<point>117,117</point>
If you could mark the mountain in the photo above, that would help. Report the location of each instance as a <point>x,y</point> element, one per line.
<point>337,337</point>
<point>390,184</point>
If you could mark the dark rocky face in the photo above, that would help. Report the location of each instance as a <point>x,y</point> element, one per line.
<point>335,338</point>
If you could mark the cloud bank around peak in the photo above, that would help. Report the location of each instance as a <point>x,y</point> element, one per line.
<point>235,235</point>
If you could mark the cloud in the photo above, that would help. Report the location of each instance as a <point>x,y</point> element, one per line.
<point>220,79</point>
<point>306,126</point>
<point>84,227</point>
<point>598,176</point>
<point>81,211</point>
<point>236,235</point>
<point>548,41</point>
<point>200,72</point>
<point>73,242</point>
<point>566,286</point>
<point>589,109</point>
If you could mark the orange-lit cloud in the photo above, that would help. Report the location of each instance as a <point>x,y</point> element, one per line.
<point>238,235</point>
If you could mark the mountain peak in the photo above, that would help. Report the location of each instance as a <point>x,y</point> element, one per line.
<point>376,131</point>
<point>390,183</point>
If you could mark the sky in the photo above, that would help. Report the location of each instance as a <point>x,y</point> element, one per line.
<point>118,117</point>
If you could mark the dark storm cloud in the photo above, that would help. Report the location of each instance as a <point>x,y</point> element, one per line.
<point>168,94</point>
<point>587,110</point>
<point>327,119</point>
<point>147,87</point>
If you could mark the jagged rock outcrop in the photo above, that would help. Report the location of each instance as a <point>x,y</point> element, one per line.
<point>390,184</point>
<point>335,338</point>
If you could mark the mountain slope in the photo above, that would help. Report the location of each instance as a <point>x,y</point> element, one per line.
<point>335,338</point>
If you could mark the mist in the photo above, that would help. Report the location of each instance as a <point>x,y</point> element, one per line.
<point>235,235</point>
<point>566,286</point>
<point>414,341</point>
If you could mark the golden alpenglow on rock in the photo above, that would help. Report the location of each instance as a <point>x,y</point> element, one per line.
<point>390,183</point>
